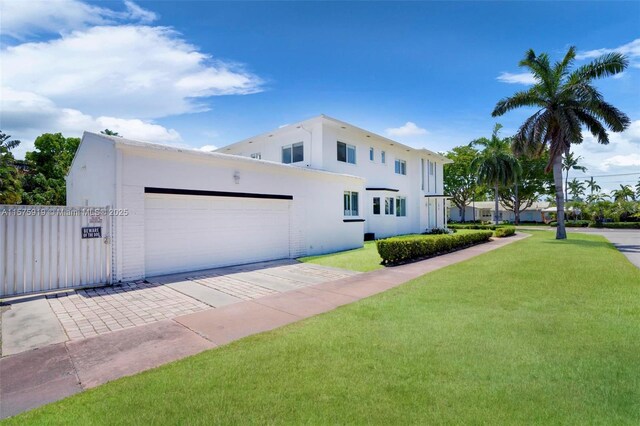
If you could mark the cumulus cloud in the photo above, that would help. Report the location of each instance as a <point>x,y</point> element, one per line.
<point>25,18</point>
<point>622,155</point>
<point>519,78</point>
<point>208,148</point>
<point>409,129</point>
<point>631,49</point>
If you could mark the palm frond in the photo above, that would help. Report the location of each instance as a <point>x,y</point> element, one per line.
<point>606,65</point>
<point>519,99</point>
<point>593,125</point>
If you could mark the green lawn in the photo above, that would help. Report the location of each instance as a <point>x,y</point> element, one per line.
<point>537,332</point>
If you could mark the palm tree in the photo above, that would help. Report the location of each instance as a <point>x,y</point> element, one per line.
<point>593,186</point>
<point>570,163</point>
<point>565,101</point>
<point>596,198</point>
<point>623,194</point>
<point>638,190</point>
<point>495,166</point>
<point>109,132</point>
<point>576,188</point>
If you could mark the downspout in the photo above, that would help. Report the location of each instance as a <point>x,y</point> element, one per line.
<point>310,145</point>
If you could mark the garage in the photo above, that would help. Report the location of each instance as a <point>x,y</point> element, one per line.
<point>187,232</point>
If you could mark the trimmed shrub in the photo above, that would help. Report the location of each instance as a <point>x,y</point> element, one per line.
<point>396,250</point>
<point>507,231</point>
<point>573,223</point>
<point>618,225</point>
<point>439,231</point>
<point>474,226</point>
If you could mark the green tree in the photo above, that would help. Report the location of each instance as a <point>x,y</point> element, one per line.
<point>570,162</point>
<point>44,183</point>
<point>10,188</point>
<point>593,186</point>
<point>532,184</point>
<point>459,178</point>
<point>495,165</point>
<point>576,189</point>
<point>625,193</point>
<point>565,101</point>
<point>638,190</point>
<point>109,133</point>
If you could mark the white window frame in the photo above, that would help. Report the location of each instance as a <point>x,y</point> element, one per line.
<point>372,154</point>
<point>348,149</point>
<point>401,167</point>
<point>389,206</point>
<point>291,147</point>
<point>401,206</point>
<point>350,201</point>
<point>256,155</point>
<point>383,157</point>
<point>432,166</point>
<point>373,204</point>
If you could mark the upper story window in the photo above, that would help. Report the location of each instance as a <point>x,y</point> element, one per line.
<point>401,167</point>
<point>346,153</point>
<point>383,157</point>
<point>388,205</point>
<point>401,206</point>
<point>293,153</point>
<point>350,203</point>
<point>256,155</point>
<point>371,154</point>
<point>376,205</point>
<point>432,167</point>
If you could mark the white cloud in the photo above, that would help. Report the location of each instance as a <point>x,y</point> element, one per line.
<point>520,78</point>
<point>409,129</point>
<point>208,148</point>
<point>22,18</point>
<point>631,50</point>
<point>630,160</point>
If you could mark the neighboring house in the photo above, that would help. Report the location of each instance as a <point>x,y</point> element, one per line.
<point>403,186</point>
<point>178,210</point>
<point>484,211</point>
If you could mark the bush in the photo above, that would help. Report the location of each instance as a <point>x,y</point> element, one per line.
<point>507,231</point>
<point>396,250</point>
<point>617,225</point>
<point>438,231</point>
<point>475,226</point>
<point>573,223</point>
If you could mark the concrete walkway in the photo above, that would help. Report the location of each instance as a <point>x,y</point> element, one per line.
<point>33,378</point>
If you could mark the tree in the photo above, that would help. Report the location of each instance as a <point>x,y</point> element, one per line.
<point>495,166</point>
<point>570,163</point>
<point>565,101</point>
<point>459,178</point>
<point>532,184</point>
<point>10,188</point>
<point>596,198</point>
<point>625,193</point>
<point>48,165</point>
<point>638,190</point>
<point>593,186</point>
<point>576,188</point>
<point>109,132</point>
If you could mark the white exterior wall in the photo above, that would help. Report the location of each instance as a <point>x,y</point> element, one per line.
<point>94,162</point>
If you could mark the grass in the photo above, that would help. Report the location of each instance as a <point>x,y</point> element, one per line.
<point>537,332</point>
<point>364,259</point>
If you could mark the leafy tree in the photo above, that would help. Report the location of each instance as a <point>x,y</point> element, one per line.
<point>638,190</point>
<point>570,163</point>
<point>565,101</point>
<point>576,188</point>
<point>625,193</point>
<point>593,186</point>
<point>109,132</point>
<point>532,184</point>
<point>48,165</point>
<point>10,188</point>
<point>495,165</point>
<point>459,177</point>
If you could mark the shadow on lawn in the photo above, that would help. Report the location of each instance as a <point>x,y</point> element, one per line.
<point>583,243</point>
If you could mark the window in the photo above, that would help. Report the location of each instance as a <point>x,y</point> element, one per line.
<point>376,205</point>
<point>401,167</point>
<point>350,203</point>
<point>401,206</point>
<point>346,153</point>
<point>383,157</point>
<point>256,155</point>
<point>293,153</point>
<point>371,154</point>
<point>431,167</point>
<point>388,205</point>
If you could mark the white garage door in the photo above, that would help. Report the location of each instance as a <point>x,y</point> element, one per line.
<point>188,233</point>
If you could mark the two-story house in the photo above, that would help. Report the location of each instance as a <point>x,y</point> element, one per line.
<point>403,185</point>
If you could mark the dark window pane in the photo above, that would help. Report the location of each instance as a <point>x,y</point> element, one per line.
<point>286,155</point>
<point>298,152</point>
<point>342,152</point>
<point>376,205</point>
<point>354,204</point>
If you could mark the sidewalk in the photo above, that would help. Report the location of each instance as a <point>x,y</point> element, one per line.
<point>34,378</point>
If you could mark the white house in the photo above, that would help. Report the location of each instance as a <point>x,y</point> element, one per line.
<point>177,210</point>
<point>403,185</point>
<point>310,188</point>
<point>484,211</point>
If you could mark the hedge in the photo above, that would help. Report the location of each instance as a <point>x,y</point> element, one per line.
<point>397,250</point>
<point>617,225</point>
<point>573,223</point>
<point>474,226</point>
<point>507,231</point>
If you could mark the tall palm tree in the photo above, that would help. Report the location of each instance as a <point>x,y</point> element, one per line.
<point>565,101</point>
<point>593,186</point>
<point>623,194</point>
<point>495,166</point>
<point>576,188</point>
<point>638,190</point>
<point>596,198</point>
<point>569,163</point>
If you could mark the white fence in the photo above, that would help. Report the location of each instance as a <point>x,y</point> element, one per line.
<point>44,248</point>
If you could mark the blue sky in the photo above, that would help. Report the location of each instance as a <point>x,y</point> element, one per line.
<point>210,73</point>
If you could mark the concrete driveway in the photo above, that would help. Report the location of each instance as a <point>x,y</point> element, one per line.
<point>38,321</point>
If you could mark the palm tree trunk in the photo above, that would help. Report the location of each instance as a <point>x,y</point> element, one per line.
<point>561,234</point>
<point>516,204</point>
<point>463,211</point>
<point>566,184</point>
<point>497,215</point>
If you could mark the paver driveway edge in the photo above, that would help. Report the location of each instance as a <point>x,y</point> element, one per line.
<point>201,331</point>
